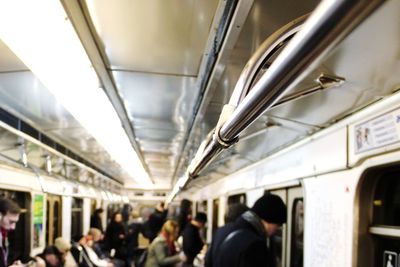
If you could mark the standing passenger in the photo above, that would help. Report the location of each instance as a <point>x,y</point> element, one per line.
<point>234,212</point>
<point>185,214</point>
<point>115,236</point>
<point>9,211</point>
<point>192,241</point>
<point>246,244</point>
<point>95,220</point>
<point>156,221</point>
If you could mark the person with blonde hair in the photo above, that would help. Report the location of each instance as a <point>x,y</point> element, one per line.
<point>162,251</point>
<point>94,235</point>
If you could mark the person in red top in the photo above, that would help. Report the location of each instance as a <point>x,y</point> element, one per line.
<point>9,211</point>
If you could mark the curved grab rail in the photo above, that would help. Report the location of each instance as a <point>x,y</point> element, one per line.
<point>264,53</point>
<point>329,24</point>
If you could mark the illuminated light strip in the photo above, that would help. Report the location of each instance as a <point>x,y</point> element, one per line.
<point>42,36</point>
<point>177,187</point>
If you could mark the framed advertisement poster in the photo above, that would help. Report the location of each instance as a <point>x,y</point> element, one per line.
<point>38,220</point>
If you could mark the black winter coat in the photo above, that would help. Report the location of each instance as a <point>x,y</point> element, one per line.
<point>244,244</point>
<point>114,238</point>
<point>192,242</point>
<point>155,223</point>
<point>218,237</point>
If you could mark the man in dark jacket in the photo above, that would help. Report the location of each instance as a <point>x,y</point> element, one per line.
<point>192,241</point>
<point>155,222</point>
<point>9,216</point>
<point>234,212</point>
<point>245,241</point>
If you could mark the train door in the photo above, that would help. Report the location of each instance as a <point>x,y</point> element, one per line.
<point>53,218</point>
<point>19,239</point>
<point>215,214</point>
<point>76,217</point>
<point>295,227</point>
<point>379,219</point>
<point>277,242</point>
<point>287,244</point>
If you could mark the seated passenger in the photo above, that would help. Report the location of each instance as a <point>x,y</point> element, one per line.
<point>51,256</point>
<point>88,247</point>
<point>64,247</point>
<point>31,262</point>
<point>98,248</point>
<point>79,252</point>
<point>162,250</point>
<point>98,245</point>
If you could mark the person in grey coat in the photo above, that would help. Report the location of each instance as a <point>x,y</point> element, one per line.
<point>162,251</point>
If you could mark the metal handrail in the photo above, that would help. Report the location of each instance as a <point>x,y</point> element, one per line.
<point>329,24</point>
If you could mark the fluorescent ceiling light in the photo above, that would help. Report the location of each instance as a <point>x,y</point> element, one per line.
<point>41,35</point>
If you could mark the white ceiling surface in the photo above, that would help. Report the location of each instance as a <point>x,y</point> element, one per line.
<point>153,51</point>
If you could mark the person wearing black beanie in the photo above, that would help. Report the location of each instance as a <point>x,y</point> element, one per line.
<point>245,245</point>
<point>272,211</point>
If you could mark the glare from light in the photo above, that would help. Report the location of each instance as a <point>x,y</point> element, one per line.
<point>110,196</point>
<point>48,164</point>
<point>104,195</point>
<point>41,35</point>
<point>92,192</point>
<point>125,199</point>
<point>177,187</point>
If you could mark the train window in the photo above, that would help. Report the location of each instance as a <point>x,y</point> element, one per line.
<point>386,203</point>
<point>379,234</point>
<point>19,239</point>
<point>297,229</point>
<point>76,217</point>
<point>239,198</point>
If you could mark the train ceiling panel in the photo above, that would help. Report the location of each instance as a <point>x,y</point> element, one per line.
<point>8,61</point>
<point>173,65</point>
<point>156,36</point>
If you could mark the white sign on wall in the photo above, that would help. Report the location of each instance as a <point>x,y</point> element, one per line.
<point>380,131</point>
<point>373,136</point>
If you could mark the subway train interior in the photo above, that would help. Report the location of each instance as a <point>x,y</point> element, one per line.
<point>124,104</point>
